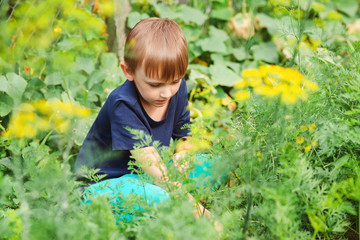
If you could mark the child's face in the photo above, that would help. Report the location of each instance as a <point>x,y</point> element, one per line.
<point>154,93</point>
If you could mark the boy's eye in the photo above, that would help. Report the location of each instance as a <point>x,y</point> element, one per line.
<point>154,85</point>
<point>176,81</point>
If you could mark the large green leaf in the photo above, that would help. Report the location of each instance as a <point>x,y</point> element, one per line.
<point>268,22</point>
<point>223,76</point>
<point>6,105</point>
<point>80,128</point>
<point>349,7</point>
<point>239,53</point>
<point>3,84</point>
<point>13,85</point>
<point>183,13</point>
<point>188,14</point>
<point>54,79</point>
<point>257,3</point>
<point>95,77</point>
<point>83,64</point>
<point>218,33</point>
<point>221,14</point>
<point>110,66</point>
<point>134,18</point>
<point>266,52</point>
<point>219,59</point>
<point>165,11</point>
<point>212,44</point>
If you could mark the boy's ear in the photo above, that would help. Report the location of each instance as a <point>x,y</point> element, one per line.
<point>126,71</point>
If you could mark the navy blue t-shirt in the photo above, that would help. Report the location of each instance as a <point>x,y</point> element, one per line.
<point>107,144</point>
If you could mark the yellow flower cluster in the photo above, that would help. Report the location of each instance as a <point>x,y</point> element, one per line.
<point>309,142</point>
<point>272,81</point>
<point>40,116</point>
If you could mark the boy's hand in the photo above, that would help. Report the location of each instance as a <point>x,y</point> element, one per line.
<point>184,145</point>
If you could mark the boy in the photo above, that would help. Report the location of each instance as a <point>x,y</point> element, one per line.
<point>153,99</point>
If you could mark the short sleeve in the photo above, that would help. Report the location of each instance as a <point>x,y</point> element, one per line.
<point>181,126</point>
<point>123,116</point>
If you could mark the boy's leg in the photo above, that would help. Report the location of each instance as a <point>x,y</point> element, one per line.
<point>118,189</point>
<point>203,173</point>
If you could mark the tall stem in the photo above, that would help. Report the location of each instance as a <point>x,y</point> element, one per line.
<point>247,217</point>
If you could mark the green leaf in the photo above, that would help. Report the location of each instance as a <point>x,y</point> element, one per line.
<point>218,59</point>
<point>268,22</point>
<point>218,33</point>
<point>188,14</point>
<point>266,52</point>
<point>222,75</point>
<point>134,18</point>
<point>75,81</point>
<point>221,14</point>
<point>80,129</point>
<point>349,7</point>
<point>83,64</point>
<point>65,45</point>
<point>110,66</point>
<point>191,33</point>
<point>6,105</point>
<point>3,84</point>
<point>239,53</point>
<point>183,12</point>
<point>257,3</point>
<point>54,79</point>
<point>212,44</point>
<point>95,77</point>
<point>14,86</point>
<point>7,163</point>
<point>165,11</point>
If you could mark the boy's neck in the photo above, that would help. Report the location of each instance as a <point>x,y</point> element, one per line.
<point>155,113</point>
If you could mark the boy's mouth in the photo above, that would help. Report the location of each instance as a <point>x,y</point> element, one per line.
<point>162,101</point>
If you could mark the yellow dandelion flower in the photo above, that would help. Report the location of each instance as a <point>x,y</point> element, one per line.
<point>42,107</point>
<point>107,8</point>
<point>82,112</point>
<point>62,126</point>
<point>311,127</point>
<point>334,15</point>
<point>242,95</point>
<point>307,148</point>
<point>264,70</point>
<point>255,82</point>
<point>57,30</point>
<point>297,91</point>
<point>209,111</point>
<point>293,76</point>
<point>241,84</point>
<point>259,156</point>
<point>250,73</point>
<point>63,108</point>
<point>310,85</point>
<point>43,124</point>
<point>270,80</point>
<point>319,22</point>
<point>318,7</point>
<point>266,91</point>
<point>314,143</point>
<point>299,140</point>
<point>288,98</point>
<point>303,128</point>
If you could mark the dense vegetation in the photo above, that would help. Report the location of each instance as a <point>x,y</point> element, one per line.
<point>274,89</point>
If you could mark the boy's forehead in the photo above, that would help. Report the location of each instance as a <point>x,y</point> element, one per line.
<point>152,77</point>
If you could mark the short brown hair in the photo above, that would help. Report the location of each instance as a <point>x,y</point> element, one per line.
<point>159,45</point>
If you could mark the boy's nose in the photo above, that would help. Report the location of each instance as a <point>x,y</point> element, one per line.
<point>165,93</point>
